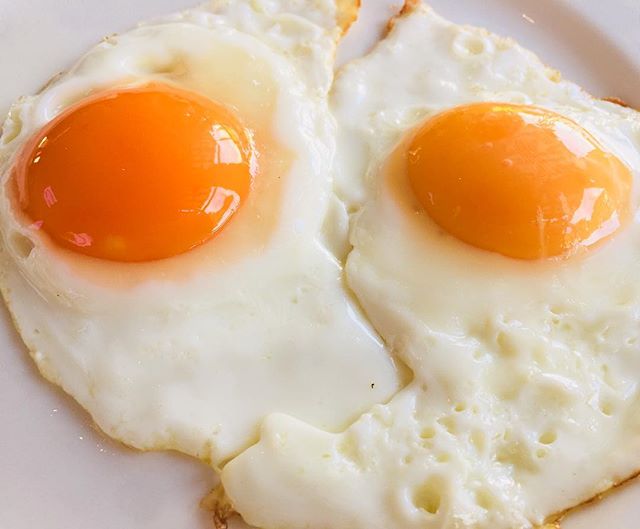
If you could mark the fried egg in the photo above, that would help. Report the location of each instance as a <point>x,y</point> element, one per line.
<point>165,254</point>
<point>495,248</point>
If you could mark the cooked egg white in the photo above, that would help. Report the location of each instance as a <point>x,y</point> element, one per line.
<point>525,398</point>
<point>190,352</point>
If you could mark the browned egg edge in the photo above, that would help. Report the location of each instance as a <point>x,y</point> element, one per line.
<point>348,11</point>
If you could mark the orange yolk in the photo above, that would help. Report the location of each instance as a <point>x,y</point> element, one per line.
<point>136,174</point>
<point>518,180</point>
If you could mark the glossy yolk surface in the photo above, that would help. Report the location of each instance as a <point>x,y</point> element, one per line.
<point>518,180</point>
<point>136,174</point>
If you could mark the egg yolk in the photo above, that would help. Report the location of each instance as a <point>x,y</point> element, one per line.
<point>136,174</point>
<point>518,180</point>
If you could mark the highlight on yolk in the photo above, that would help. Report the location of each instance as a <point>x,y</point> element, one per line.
<point>518,180</point>
<point>136,174</point>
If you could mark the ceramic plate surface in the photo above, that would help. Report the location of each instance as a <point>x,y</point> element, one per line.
<point>56,471</point>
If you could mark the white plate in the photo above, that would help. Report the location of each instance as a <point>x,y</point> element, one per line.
<point>56,472</point>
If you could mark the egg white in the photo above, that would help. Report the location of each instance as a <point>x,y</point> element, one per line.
<point>525,395</point>
<point>190,353</point>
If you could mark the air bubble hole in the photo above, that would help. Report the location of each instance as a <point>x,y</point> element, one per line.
<point>548,438</point>
<point>428,496</point>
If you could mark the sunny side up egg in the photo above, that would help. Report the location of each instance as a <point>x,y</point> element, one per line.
<point>165,255</point>
<point>495,249</point>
